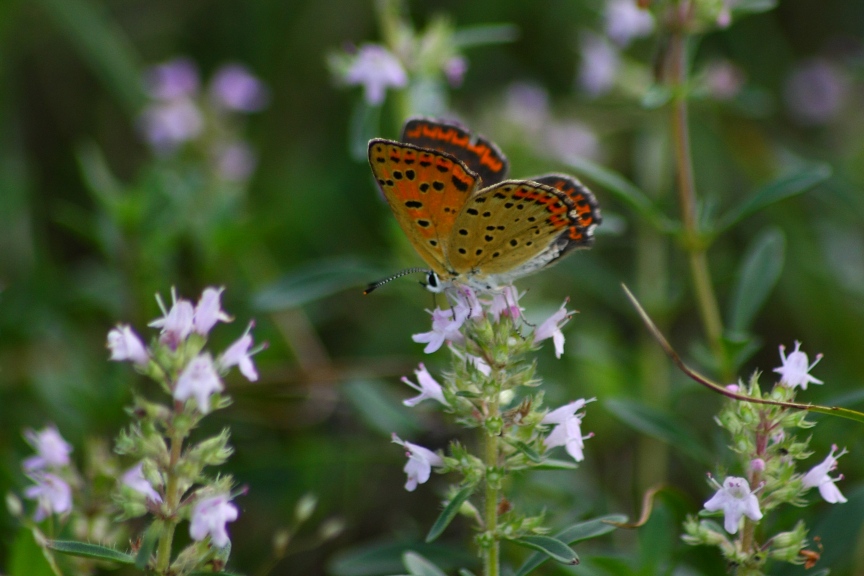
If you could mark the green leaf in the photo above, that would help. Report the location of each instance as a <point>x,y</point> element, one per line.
<point>314,281</point>
<point>783,187</point>
<point>624,190</point>
<point>656,96</point>
<point>87,550</point>
<point>468,394</point>
<point>552,547</point>
<point>529,452</point>
<point>386,557</point>
<point>465,572</point>
<point>449,512</point>
<point>485,34</point>
<point>760,269</point>
<point>417,565</point>
<point>658,424</point>
<point>743,6</point>
<point>555,464</point>
<point>379,407</point>
<point>573,534</point>
<point>148,544</point>
<point>27,558</point>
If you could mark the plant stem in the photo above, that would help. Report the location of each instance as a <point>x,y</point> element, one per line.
<point>172,501</point>
<point>491,561</point>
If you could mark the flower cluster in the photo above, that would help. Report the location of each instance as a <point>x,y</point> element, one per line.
<point>180,114</point>
<point>763,437</point>
<point>51,471</point>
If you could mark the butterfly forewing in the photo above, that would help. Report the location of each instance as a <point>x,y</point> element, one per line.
<point>505,227</point>
<point>426,190</point>
<point>480,155</point>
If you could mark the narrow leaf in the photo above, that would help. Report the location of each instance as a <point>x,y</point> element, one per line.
<point>552,547</point>
<point>760,270</point>
<point>573,534</point>
<point>449,512</point>
<point>529,452</point>
<point>148,544</point>
<point>784,187</point>
<point>417,565</point>
<point>465,572</point>
<point>555,464</point>
<point>90,551</point>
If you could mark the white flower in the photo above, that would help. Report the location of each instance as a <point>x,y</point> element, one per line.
<point>505,302</point>
<point>376,69</point>
<point>52,451</point>
<point>134,478</point>
<point>445,327</point>
<point>427,386</point>
<point>124,344</point>
<point>177,323</point>
<point>551,328</point>
<point>736,500</point>
<point>626,21</point>
<point>52,494</point>
<point>198,379</point>
<point>599,67</point>
<point>209,517</point>
<point>420,462</point>
<point>209,311</point>
<point>238,355</point>
<point>795,369</point>
<point>568,428</point>
<point>818,476</point>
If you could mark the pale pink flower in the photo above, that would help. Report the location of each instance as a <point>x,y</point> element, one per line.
<point>174,79</point>
<point>506,303</point>
<point>209,311</point>
<point>376,69</point>
<point>723,79</point>
<point>445,327</point>
<point>52,451</point>
<point>818,477</point>
<point>816,91</point>
<point>134,478</point>
<point>427,386</point>
<point>599,66</point>
<point>567,429</point>
<point>167,125</point>
<point>625,21</point>
<point>209,517</point>
<point>795,370</point>
<point>420,463</point>
<point>454,70</point>
<point>235,88</point>
<point>757,464</point>
<point>52,494</point>
<point>238,355</point>
<point>125,344</point>
<point>199,380</point>
<point>466,297</point>
<point>736,500</point>
<point>551,328</point>
<point>177,323</point>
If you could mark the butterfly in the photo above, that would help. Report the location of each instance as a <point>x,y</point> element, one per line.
<point>448,190</point>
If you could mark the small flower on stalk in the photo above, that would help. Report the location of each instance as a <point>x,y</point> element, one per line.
<point>174,79</point>
<point>209,311</point>
<point>568,428</point>
<point>626,21</point>
<point>600,64</point>
<point>466,297</point>
<point>818,476</point>
<point>505,303</point>
<point>199,379</point>
<point>177,323</point>
<point>124,345</point>
<point>427,386</point>
<point>420,462</point>
<point>52,494</point>
<point>795,370</point>
<point>376,69</point>
<point>735,499</point>
<point>238,355</point>
<point>134,478</point>
<point>445,327</point>
<point>551,328</point>
<point>52,451</point>
<point>209,517</point>
<point>235,88</point>
<point>167,125</point>
<point>454,70</point>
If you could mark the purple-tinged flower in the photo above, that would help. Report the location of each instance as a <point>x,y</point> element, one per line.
<point>134,478</point>
<point>209,311</point>
<point>735,499</point>
<point>723,79</point>
<point>235,88</point>
<point>177,323</point>
<point>210,516</point>
<point>734,388</point>
<point>376,69</point>
<point>625,21</point>
<point>167,125</point>
<point>815,92</point>
<point>818,477</point>
<point>551,328</point>
<point>505,303</point>
<point>238,355</point>
<point>526,105</point>
<point>445,327</point>
<point>420,463</point>
<point>198,379</point>
<point>757,464</point>
<point>454,70</point>
<point>427,386</point>
<point>570,138</point>
<point>52,451</point>
<point>52,494</point>
<point>124,345</point>
<point>568,428</point>
<point>174,79</point>
<point>795,370</point>
<point>600,64</point>
<point>236,161</point>
<point>466,297</point>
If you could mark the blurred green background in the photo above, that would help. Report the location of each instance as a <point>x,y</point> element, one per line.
<point>92,224</point>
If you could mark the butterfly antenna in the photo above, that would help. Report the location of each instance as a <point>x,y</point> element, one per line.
<point>383,281</point>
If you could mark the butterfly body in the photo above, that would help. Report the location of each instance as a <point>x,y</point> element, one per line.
<point>480,237</point>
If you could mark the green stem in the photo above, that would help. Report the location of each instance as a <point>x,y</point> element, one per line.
<point>172,501</point>
<point>491,560</point>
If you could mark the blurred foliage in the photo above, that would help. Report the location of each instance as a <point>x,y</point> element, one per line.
<point>91,225</point>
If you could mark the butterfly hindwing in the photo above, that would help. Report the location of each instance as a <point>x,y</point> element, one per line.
<point>586,206</point>
<point>511,229</point>
<point>426,190</point>
<point>480,155</point>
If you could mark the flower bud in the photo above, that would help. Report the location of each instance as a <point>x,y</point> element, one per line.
<point>305,507</point>
<point>331,529</point>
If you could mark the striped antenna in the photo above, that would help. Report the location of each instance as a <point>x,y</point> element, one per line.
<point>383,281</point>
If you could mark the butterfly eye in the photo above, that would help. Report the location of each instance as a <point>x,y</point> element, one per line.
<point>433,283</point>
